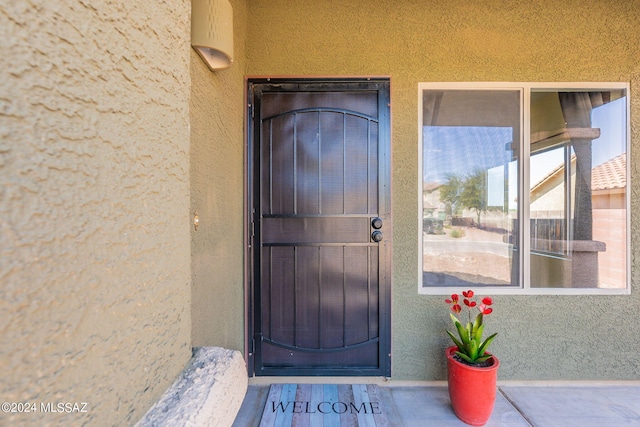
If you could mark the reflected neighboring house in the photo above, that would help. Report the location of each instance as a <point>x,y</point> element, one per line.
<point>608,196</point>
<point>608,184</point>
<point>433,211</point>
<point>431,205</point>
<point>547,195</point>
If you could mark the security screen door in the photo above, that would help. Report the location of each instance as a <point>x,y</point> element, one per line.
<point>320,226</point>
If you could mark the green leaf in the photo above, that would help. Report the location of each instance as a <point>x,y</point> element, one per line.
<point>473,350</point>
<point>469,328</point>
<point>478,322</point>
<point>478,334</point>
<point>454,318</point>
<point>464,333</point>
<point>456,341</point>
<point>483,359</point>
<point>486,343</point>
<point>464,357</point>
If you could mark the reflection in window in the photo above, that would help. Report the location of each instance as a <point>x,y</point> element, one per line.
<point>470,187</point>
<point>577,189</point>
<point>574,214</point>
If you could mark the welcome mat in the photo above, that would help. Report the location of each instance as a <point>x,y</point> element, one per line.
<point>335,405</point>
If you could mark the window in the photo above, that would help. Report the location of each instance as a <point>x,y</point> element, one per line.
<point>524,188</point>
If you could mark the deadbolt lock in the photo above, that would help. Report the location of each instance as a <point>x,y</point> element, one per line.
<point>376,223</point>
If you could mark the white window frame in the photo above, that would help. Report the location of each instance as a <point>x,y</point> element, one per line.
<point>524,285</point>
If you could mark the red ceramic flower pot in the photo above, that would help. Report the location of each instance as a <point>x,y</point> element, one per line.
<point>472,390</point>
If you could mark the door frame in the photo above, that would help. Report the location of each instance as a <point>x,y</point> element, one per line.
<point>251,227</point>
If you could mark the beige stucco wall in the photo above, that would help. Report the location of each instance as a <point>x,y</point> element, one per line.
<point>97,164</point>
<point>217,150</point>
<point>94,206</point>
<point>494,40</point>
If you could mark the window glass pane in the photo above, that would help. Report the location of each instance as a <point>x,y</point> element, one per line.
<point>577,196</point>
<point>470,187</point>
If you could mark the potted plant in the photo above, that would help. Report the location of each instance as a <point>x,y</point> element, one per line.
<point>471,370</point>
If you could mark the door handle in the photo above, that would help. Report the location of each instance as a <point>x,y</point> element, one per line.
<point>376,236</point>
<point>376,223</point>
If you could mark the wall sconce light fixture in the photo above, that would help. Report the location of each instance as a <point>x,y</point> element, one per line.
<point>212,32</point>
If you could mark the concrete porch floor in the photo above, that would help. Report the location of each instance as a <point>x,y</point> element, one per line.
<point>539,404</point>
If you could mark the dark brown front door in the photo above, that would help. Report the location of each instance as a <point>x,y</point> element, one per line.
<point>320,226</point>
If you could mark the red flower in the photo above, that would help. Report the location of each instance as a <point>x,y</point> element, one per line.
<point>456,308</point>
<point>469,303</point>
<point>487,301</point>
<point>453,300</point>
<point>485,310</point>
<point>468,294</point>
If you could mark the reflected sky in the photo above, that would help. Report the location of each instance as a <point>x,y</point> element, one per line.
<point>462,150</point>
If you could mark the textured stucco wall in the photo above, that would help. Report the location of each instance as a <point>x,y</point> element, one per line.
<point>548,337</point>
<point>94,205</point>
<point>217,114</point>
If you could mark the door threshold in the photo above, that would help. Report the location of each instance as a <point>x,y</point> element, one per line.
<point>317,380</point>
